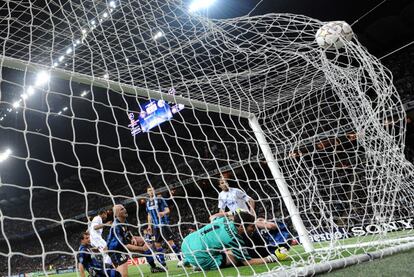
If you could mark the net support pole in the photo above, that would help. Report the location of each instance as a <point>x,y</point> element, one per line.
<point>281,184</point>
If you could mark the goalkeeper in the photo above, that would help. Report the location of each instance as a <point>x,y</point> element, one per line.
<point>220,244</point>
<point>269,238</point>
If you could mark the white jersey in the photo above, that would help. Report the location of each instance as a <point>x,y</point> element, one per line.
<point>96,238</point>
<point>233,199</point>
<point>96,235</point>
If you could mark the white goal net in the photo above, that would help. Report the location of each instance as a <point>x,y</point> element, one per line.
<point>101,99</point>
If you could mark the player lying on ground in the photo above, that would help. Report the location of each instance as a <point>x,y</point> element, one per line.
<point>220,244</point>
<point>158,221</point>
<point>270,237</point>
<point>120,241</point>
<point>91,261</point>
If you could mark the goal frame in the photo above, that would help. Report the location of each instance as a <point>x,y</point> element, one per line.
<point>282,186</point>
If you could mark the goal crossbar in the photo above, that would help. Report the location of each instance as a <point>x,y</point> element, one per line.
<point>17,64</point>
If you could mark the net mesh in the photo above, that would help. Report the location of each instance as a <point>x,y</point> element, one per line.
<point>333,121</point>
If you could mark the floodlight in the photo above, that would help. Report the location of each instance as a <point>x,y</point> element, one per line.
<point>16,104</point>
<point>158,35</point>
<point>30,90</point>
<point>5,155</point>
<point>197,5</point>
<point>42,78</point>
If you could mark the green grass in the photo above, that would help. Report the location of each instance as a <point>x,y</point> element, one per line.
<point>297,254</point>
<point>400,265</point>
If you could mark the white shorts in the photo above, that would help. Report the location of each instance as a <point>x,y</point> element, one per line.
<point>98,242</point>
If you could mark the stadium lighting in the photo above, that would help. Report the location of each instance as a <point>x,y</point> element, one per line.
<point>84,93</point>
<point>42,78</point>
<point>112,4</point>
<point>65,108</point>
<point>105,15</point>
<point>61,58</point>
<point>16,104</point>
<point>1,118</point>
<point>60,112</point>
<point>30,90</point>
<point>55,64</point>
<point>197,5</point>
<point>69,50</point>
<point>84,31</point>
<point>24,96</point>
<point>5,155</point>
<point>77,42</point>
<point>93,22</point>
<point>106,76</point>
<point>158,35</point>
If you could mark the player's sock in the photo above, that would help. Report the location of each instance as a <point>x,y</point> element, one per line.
<point>161,256</point>
<point>150,258</point>
<point>176,250</point>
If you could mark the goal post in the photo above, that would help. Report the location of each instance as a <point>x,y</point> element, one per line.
<point>282,185</point>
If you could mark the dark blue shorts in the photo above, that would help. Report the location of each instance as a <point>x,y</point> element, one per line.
<point>163,234</point>
<point>118,258</point>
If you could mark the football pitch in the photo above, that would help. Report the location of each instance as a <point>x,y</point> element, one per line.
<point>379,267</point>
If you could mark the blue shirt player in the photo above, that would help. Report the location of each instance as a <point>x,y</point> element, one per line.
<point>158,221</point>
<point>89,260</point>
<point>120,241</point>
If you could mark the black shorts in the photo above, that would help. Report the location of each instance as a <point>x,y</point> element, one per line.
<point>163,233</point>
<point>118,258</point>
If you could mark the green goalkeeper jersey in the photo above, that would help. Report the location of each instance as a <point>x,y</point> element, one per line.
<point>211,241</point>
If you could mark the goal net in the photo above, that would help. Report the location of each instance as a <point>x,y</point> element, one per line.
<point>101,99</point>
